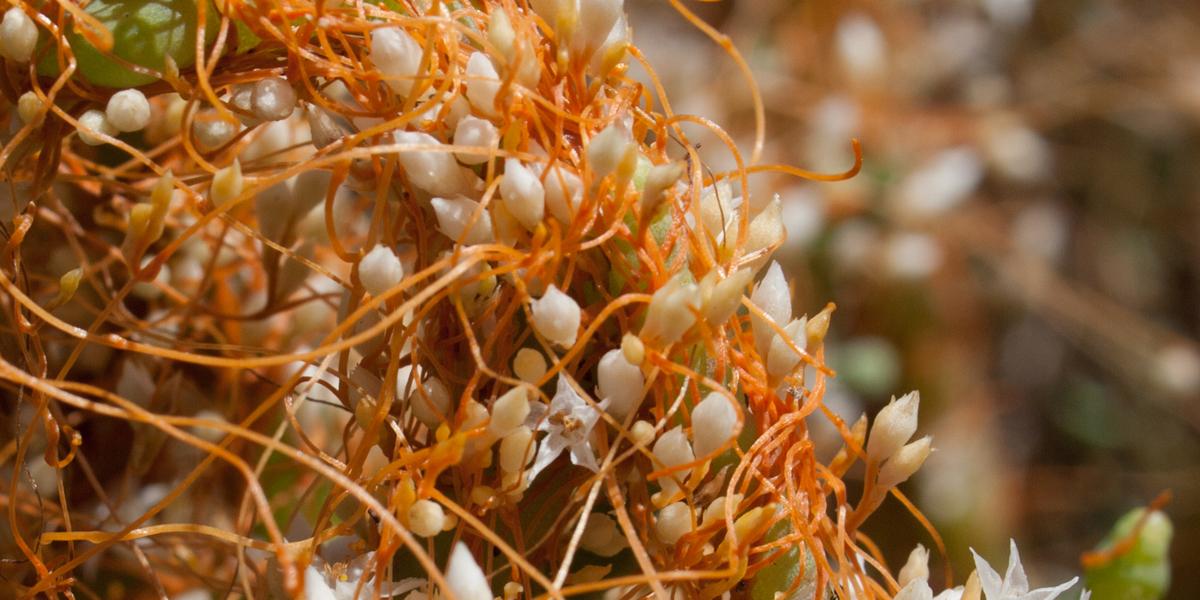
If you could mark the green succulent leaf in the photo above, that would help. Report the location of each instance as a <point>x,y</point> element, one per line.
<point>782,573</point>
<point>1142,573</point>
<point>145,33</point>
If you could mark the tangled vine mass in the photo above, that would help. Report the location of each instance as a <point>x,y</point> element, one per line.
<point>408,298</point>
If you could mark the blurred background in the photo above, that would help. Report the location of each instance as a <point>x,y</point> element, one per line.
<point>1021,245</point>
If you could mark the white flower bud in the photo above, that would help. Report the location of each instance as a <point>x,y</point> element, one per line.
<point>227,184</point>
<point>474,132</point>
<point>426,518</point>
<point>714,422</point>
<point>501,34</point>
<point>455,214</point>
<point>18,36</point>
<point>904,463</point>
<point>523,194</point>
<point>95,121</point>
<point>620,383</point>
<point>517,449</point>
<point>774,299</point>
<point>564,192</point>
<point>324,128</point>
<point>509,411</point>
<point>673,522</point>
<point>915,590</point>
<point>556,317</point>
<point>917,567</point>
<point>893,427</point>
<point>766,231</point>
<point>430,400</point>
<point>29,106</point>
<point>659,179</point>
<point>397,55</point>
<point>128,110</point>
<point>671,311</point>
<point>596,20</point>
<point>724,296</point>
<point>716,510</point>
<point>672,449</point>
<point>273,99</point>
<point>483,83</point>
<point>642,432</point>
<point>434,171</point>
<point>380,270</point>
<point>211,131</point>
<point>274,207</point>
<point>782,360</point>
<point>601,536</point>
<point>529,365</point>
<point>464,577</point>
<point>608,149</point>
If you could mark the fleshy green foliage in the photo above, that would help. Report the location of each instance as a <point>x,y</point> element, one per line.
<point>1142,573</point>
<point>144,32</point>
<point>780,575</point>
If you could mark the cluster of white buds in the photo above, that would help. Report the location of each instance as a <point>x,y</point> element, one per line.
<point>888,443</point>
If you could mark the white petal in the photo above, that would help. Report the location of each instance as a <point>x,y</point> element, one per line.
<point>989,579</point>
<point>315,586</point>
<point>1015,581</point>
<point>464,577</point>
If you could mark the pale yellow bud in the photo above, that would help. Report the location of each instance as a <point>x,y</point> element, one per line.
<point>529,365</point>
<point>226,184</point>
<point>509,411</point>
<point>517,449</point>
<point>633,349</point>
<point>642,432</point>
<point>904,463</point>
<point>917,567</point>
<point>724,296</point>
<point>426,518</point>
<point>673,522</point>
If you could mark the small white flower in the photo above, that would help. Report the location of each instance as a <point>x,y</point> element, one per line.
<point>348,579</point>
<point>569,422</point>
<point>1014,585</point>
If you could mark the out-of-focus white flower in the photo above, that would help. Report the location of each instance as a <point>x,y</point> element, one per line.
<point>941,184</point>
<point>568,421</point>
<point>912,256</point>
<point>861,48</point>
<point>1014,585</point>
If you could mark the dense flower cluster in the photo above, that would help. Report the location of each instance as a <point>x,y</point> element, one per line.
<point>410,298</point>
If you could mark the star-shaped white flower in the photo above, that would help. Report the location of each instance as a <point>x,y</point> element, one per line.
<point>335,574</point>
<point>1014,586</point>
<point>568,421</point>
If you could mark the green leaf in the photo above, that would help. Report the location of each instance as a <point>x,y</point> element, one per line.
<point>1142,573</point>
<point>144,32</point>
<point>780,574</point>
